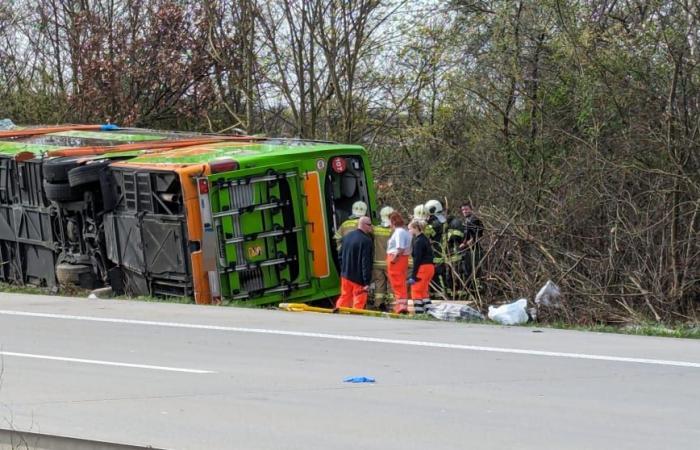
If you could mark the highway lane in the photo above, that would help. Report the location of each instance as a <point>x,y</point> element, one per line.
<point>184,376</point>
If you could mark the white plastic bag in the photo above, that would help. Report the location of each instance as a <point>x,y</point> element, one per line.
<point>511,313</point>
<point>548,295</point>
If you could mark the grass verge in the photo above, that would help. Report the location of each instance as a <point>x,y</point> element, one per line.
<point>686,331</point>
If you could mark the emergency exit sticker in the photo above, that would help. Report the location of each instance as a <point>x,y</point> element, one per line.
<point>339,164</point>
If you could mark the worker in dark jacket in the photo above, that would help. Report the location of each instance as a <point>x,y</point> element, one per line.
<point>356,266</point>
<point>423,267</point>
<point>471,245</point>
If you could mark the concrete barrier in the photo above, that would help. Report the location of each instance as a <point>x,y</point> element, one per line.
<point>22,440</point>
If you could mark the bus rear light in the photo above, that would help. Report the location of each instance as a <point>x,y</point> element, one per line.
<point>223,165</point>
<point>203,186</point>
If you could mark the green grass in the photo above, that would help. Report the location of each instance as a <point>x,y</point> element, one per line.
<point>154,299</point>
<point>686,331</point>
<point>36,290</point>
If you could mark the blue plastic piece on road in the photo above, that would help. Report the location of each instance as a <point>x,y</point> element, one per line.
<point>359,380</point>
<point>109,127</point>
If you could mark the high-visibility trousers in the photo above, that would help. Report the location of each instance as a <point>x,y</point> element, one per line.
<point>352,295</point>
<point>398,272</point>
<point>421,287</point>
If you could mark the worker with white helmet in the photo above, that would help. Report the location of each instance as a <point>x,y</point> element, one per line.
<point>380,282</point>
<point>359,209</point>
<point>420,212</point>
<point>439,223</point>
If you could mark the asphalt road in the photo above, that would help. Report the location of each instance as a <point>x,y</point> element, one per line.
<point>191,377</point>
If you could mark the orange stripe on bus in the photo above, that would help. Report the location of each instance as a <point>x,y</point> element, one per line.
<point>190,197</point>
<point>316,227</point>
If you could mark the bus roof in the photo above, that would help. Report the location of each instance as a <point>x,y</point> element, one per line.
<point>241,151</point>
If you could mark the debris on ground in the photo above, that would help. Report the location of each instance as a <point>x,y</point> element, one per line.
<point>105,292</point>
<point>452,312</point>
<point>511,313</point>
<point>549,295</point>
<point>359,380</point>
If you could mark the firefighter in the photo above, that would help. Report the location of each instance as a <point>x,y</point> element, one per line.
<point>439,225</point>
<point>359,209</point>
<point>420,213</point>
<point>436,219</point>
<point>381,298</point>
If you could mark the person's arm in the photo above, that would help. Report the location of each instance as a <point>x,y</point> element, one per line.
<point>367,259</point>
<point>419,252</point>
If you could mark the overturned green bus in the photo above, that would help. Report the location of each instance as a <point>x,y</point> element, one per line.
<point>217,218</point>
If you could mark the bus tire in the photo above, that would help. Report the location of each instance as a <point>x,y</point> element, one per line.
<point>75,275</point>
<point>60,192</point>
<point>88,173</point>
<point>56,169</point>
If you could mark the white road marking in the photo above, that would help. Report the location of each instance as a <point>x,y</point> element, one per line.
<point>343,337</point>
<point>102,363</point>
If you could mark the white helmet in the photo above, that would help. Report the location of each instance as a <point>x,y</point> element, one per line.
<point>359,209</point>
<point>434,207</point>
<point>384,215</point>
<point>420,212</point>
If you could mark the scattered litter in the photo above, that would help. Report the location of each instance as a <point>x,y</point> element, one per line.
<point>359,380</point>
<point>511,313</point>
<point>533,313</point>
<point>549,295</point>
<point>452,312</point>
<point>105,292</point>
<point>7,124</point>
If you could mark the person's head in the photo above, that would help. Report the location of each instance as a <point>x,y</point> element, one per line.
<point>364,224</point>
<point>434,207</point>
<point>466,209</point>
<point>396,220</point>
<point>359,209</point>
<point>416,227</point>
<point>420,213</point>
<point>385,214</point>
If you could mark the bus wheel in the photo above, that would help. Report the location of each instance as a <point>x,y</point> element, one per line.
<point>75,275</point>
<point>60,192</point>
<point>56,169</point>
<point>88,173</point>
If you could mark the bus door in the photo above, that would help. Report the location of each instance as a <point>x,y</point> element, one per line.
<point>254,232</point>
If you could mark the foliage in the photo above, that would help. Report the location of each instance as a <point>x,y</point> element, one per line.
<point>573,126</point>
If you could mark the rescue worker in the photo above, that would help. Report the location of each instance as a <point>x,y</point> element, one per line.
<point>356,266</point>
<point>420,212</point>
<point>381,233</point>
<point>436,219</point>
<point>439,225</point>
<point>423,267</point>
<point>473,232</point>
<point>359,209</point>
<point>398,250</point>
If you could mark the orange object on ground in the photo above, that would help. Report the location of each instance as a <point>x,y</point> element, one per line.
<point>352,295</point>
<point>398,272</point>
<point>419,290</point>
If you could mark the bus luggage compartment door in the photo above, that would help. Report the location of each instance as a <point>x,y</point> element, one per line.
<point>258,221</point>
